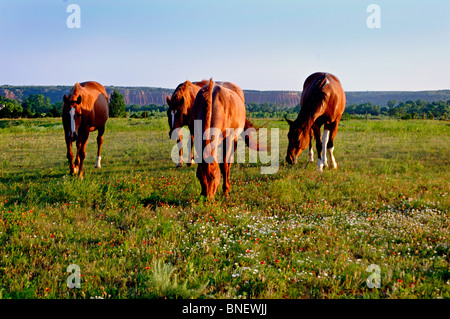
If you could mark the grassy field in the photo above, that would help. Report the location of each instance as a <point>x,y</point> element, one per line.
<point>137,227</point>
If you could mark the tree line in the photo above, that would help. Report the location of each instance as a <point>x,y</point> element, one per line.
<point>38,105</point>
<point>403,110</point>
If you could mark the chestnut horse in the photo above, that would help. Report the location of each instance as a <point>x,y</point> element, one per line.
<point>220,106</point>
<point>179,112</point>
<point>86,109</point>
<point>322,103</point>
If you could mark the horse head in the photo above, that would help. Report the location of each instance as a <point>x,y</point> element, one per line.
<point>176,114</point>
<point>73,113</point>
<point>209,177</point>
<point>298,141</point>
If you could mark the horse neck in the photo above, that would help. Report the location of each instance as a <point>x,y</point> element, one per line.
<point>189,98</point>
<point>304,121</point>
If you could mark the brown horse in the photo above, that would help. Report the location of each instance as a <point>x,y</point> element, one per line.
<point>85,110</point>
<point>322,103</point>
<point>221,109</point>
<point>179,112</point>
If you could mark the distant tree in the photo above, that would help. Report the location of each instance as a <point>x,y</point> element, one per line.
<point>37,103</point>
<point>296,108</point>
<point>117,105</point>
<point>9,108</point>
<point>27,113</point>
<point>54,112</point>
<point>391,103</point>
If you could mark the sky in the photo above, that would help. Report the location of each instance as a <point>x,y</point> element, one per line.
<point>257,44</point>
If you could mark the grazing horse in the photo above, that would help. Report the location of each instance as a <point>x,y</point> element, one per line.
<point>322,103</point>
<point>221,108</point>
<point>179,112</point>
<point>85,110</point>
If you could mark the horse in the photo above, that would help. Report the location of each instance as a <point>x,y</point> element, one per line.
<point>220,106</point>
<point>85,110</point>
<point>179,112</point>
<point>322,103</point>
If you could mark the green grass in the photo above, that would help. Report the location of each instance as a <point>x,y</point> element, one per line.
<point>137,227</point>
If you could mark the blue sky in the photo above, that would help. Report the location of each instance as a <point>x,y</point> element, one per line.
<point>261,45</point>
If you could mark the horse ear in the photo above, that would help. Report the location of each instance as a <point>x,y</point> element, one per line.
<point>289,121</point>
<point>65,98</point>
<point>79,99</point>
<point>168,100</point>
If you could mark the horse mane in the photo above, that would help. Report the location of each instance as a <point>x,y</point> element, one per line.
<point>313,101</point>
<point>180,91</point>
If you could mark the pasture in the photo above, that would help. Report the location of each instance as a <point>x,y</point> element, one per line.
<point>137,227</point>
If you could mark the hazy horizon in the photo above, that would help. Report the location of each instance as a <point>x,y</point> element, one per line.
<point>245,89</point>
<point>260,45</point>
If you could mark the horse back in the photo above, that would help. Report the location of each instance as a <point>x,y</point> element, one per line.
<point>335,98</point>
<point>235,88</point>
<point>331,104</point>
<point>95,104</point>
<point>228,106</point>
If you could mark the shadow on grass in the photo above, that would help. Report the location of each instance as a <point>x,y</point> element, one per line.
<point>156,200</point>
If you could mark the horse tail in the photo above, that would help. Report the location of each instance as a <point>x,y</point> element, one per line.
<point>207,95</point>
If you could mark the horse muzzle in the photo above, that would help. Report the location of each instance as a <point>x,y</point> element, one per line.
<point>73,136</point>
<point>291,160</point>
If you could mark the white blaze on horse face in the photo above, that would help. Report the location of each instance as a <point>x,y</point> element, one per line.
<point>173,118</point>
<point>323,162</point>
<point>72,120</point>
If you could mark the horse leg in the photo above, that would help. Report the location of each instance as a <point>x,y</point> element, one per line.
<point>192,151</point>
<point>225,166</point>
<point>101,131</point>
<point>225,170</point>
<point>76,168</point>
<point>180,149</point>
<point>82,153</point>
<point>325,137</point>
<point>316,130</point>
<point>330,145</point>
<point>70,156</point>
<point>310,152</point>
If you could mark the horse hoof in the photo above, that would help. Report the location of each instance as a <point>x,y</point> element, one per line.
<point>179,165</point>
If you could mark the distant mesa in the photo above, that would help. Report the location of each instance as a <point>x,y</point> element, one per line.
<point>151,95</point>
